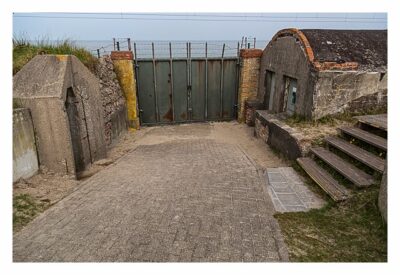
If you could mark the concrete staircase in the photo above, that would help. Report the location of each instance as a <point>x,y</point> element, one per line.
<point>362,146</point>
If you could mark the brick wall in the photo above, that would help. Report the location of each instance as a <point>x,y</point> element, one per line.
<point>249,78</point>
<point>123,65</point>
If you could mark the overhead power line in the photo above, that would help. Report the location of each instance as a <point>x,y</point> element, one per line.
<point>309,19</point>
<point>216,15</point>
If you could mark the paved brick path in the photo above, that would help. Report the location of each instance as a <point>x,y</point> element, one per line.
<point>187,200</point>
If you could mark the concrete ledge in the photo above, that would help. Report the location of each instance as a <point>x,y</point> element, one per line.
<point>281,137</point>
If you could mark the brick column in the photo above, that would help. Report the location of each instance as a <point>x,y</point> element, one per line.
<point>249,78</point>
<point>123,66</point>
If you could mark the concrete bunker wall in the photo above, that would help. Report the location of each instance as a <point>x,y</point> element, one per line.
<point>46,98</point>
<point>87,87</point>
<point>338,91</point>
<point>25,162</point>
<point>286,57</point>
<point>52,134</point>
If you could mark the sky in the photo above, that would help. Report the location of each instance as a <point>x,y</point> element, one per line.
<point>182,26</point>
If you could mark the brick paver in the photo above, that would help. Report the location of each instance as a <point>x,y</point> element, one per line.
<point>187,200</point>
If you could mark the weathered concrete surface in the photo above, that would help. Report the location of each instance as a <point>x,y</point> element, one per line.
<point>196,198</point>
<point>285,57</point>
<point>123,65</point>
<point>248,78</point>
<point>280,136</point>
<point>288,191</point>
<point>382,200</point>
<point>337,91</point>
<point>42,86</point>
<point>113,100</point>
<point>25,162</point>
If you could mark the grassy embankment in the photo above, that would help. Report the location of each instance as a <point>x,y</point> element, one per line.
<point>24,51</point>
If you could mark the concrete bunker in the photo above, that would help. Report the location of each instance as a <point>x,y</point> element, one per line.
<point>65,102</point>
<point>314,73</point>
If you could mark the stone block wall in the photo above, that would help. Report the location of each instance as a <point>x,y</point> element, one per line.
<point>113,100</point>
<point>248,79</point>
<point>25,161</point>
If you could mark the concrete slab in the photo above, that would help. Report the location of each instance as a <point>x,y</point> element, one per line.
<point>288,191</point>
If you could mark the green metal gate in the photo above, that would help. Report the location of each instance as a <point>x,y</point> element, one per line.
<point>177,90</point>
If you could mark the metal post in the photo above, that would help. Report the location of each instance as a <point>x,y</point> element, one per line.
<point>245,42</point>
<point>189,94</point>
<point>206,93</point>
<point>238,51</point>
<point>254,42</point>
<point>114,43</point>
<point>221,91</point>
<point>117,45</point>
<point>235,106</point>
<point>241,45</point>
<point>171,75</point>
<point>137,83</point>
<point>129,44</point>
<point>155,83</point>
<point>248,45</point>
<point>187,80</point>
<point>98,53</point>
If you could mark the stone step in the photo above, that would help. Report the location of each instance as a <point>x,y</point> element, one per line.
<point>349,171</point>
<point>321,177</point>
<point>365,136</point>
<point>363,156</point>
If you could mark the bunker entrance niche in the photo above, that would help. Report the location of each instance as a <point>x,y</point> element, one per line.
<point>71,106</point>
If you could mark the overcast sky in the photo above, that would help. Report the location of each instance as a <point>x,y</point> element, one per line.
<point>183,26</point>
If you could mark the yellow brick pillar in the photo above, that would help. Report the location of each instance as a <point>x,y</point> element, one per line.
<point>248,79</point>
<point>124,68</point>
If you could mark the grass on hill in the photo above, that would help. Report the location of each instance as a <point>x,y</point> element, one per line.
<point>25,209</point>
<point>24,51</point>
<point>351,231</point>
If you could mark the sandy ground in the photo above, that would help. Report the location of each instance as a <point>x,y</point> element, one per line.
<point>317,132</point>
<point>49,188</point>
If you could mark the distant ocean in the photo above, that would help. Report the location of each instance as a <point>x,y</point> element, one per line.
<point>178,47</point>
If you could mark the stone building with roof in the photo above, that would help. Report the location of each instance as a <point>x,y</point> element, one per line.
<point>316,72</point>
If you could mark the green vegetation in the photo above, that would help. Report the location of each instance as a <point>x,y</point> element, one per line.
<point>351,231</point>
<point>24,51</point>
<point>25,209</point>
